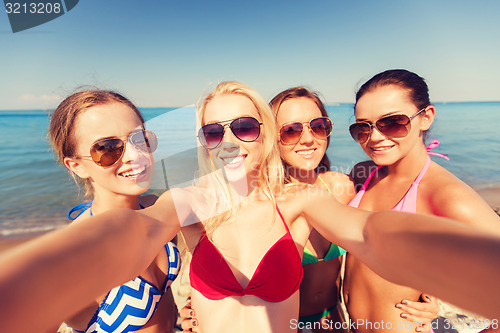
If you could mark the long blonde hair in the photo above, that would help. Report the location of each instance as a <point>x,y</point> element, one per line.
<point>270,173</point>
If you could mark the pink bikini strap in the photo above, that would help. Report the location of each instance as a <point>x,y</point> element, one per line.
<point>367,181</point>
<point>432,145</point>
<point>423,171</point>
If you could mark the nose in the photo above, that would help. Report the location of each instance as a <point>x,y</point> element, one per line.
<point>376,135</point>
<point>131,153</point>
<point>229,141</point>
<point>306,137</point>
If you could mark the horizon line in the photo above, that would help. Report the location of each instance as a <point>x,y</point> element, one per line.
<point>179,107</point>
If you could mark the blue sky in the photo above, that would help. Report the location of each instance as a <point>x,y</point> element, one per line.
<point>167,53</point>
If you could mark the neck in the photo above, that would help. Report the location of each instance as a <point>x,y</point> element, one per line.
<point>303,176</point>
<point>243,188</point>
<point>410,165</point>
<point>107,201</point>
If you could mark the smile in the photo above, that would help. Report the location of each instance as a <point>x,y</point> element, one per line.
<point>133,173</point>
<point>234,161</point>
<point>381,148</point>
<point>306,152</point>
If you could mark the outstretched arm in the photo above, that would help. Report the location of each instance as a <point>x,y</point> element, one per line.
<point>53,276</point>
<point>448,259</point>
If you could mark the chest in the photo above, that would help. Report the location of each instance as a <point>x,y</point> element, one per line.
<point>407,195</point>
<point>247,241</point>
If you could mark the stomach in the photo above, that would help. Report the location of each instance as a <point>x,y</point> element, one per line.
<point>318,289</point>
<point>244,314</point>
<point>371,300</point>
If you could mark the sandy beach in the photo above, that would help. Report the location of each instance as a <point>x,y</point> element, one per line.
<point>181,285</point>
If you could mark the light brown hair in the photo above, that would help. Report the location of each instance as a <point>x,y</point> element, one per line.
<point>65,117</point>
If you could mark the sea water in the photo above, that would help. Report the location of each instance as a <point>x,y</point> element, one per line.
<point>36,192</point>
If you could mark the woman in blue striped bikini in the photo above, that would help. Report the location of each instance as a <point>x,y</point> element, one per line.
<point>100,137</point>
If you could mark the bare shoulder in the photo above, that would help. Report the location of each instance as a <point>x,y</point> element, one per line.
<point>360,172</point>
<point>293,200</point>
<point>341,185</point>
<point>305,197</point>
<point>451,197</point>
<point>85,215</point>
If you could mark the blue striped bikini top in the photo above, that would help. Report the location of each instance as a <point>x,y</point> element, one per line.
<point>129,307</point>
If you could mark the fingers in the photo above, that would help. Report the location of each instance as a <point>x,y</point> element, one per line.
<point>188,317</point>
<point>188,325</point>
<point>431,301</point>
<point>186,312</point>
<point>427,310</point>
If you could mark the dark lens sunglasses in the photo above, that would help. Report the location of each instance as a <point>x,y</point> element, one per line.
<point>106,152</point>
<point>394,126</point>
<point>246,129</point>
<point>321,128</point>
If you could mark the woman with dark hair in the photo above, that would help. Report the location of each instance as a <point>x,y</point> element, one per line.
<point>393,113</point>
<point>304,130</point>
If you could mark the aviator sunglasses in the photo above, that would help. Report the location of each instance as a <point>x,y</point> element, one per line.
<point>246,129</point>
<point>394,126</point>
<point>321,128</point>
<point>106,152</point>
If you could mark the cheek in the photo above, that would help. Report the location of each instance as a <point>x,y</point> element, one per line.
<point>285,151</point>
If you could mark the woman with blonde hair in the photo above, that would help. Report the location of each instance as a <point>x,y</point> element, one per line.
<point>248,267</point>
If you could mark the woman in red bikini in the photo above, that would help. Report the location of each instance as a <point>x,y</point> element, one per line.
<point>304,135</point>
<point>393,114</point>
<point>246,265</point>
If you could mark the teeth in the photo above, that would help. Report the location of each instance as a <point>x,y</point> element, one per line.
<point>305,152</point>
<point>233,160</point>
<point>381,148</point>
<point>133,172</point>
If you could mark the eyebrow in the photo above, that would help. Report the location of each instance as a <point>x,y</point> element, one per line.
<point>383,116</point>
<point>118,137</point>
<point>225,121</point>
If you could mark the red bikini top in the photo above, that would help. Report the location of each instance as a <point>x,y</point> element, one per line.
<point>276,278</point>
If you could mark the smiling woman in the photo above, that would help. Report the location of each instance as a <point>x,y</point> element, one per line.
<point>100,137</point>
<point>393,114</point>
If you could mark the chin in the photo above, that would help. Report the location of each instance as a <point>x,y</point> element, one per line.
<point>143,186</point>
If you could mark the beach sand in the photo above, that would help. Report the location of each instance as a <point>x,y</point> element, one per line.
<point>181,286</point>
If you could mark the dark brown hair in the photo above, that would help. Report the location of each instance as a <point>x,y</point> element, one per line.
<point>418,91</point>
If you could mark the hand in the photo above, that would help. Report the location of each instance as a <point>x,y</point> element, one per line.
<point>422,312</point>
<point>188,317</point>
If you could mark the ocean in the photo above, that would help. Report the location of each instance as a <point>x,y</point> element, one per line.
<point>36,191</point>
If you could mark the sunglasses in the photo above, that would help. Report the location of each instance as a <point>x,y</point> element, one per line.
<point>108,151</point>
<point>321,128</point>
<point>394,126</point>
<point>246,129</point>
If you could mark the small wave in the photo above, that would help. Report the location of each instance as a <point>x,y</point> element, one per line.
<point>27,231</point>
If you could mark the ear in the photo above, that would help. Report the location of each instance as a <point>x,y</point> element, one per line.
<point>74,165</point>
<point>427,118</point>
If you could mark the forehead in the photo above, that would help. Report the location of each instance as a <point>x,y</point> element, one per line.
<point>383,100</point>
<point>297,109</point>
<point>113,119</point>
<point>230,106</point>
